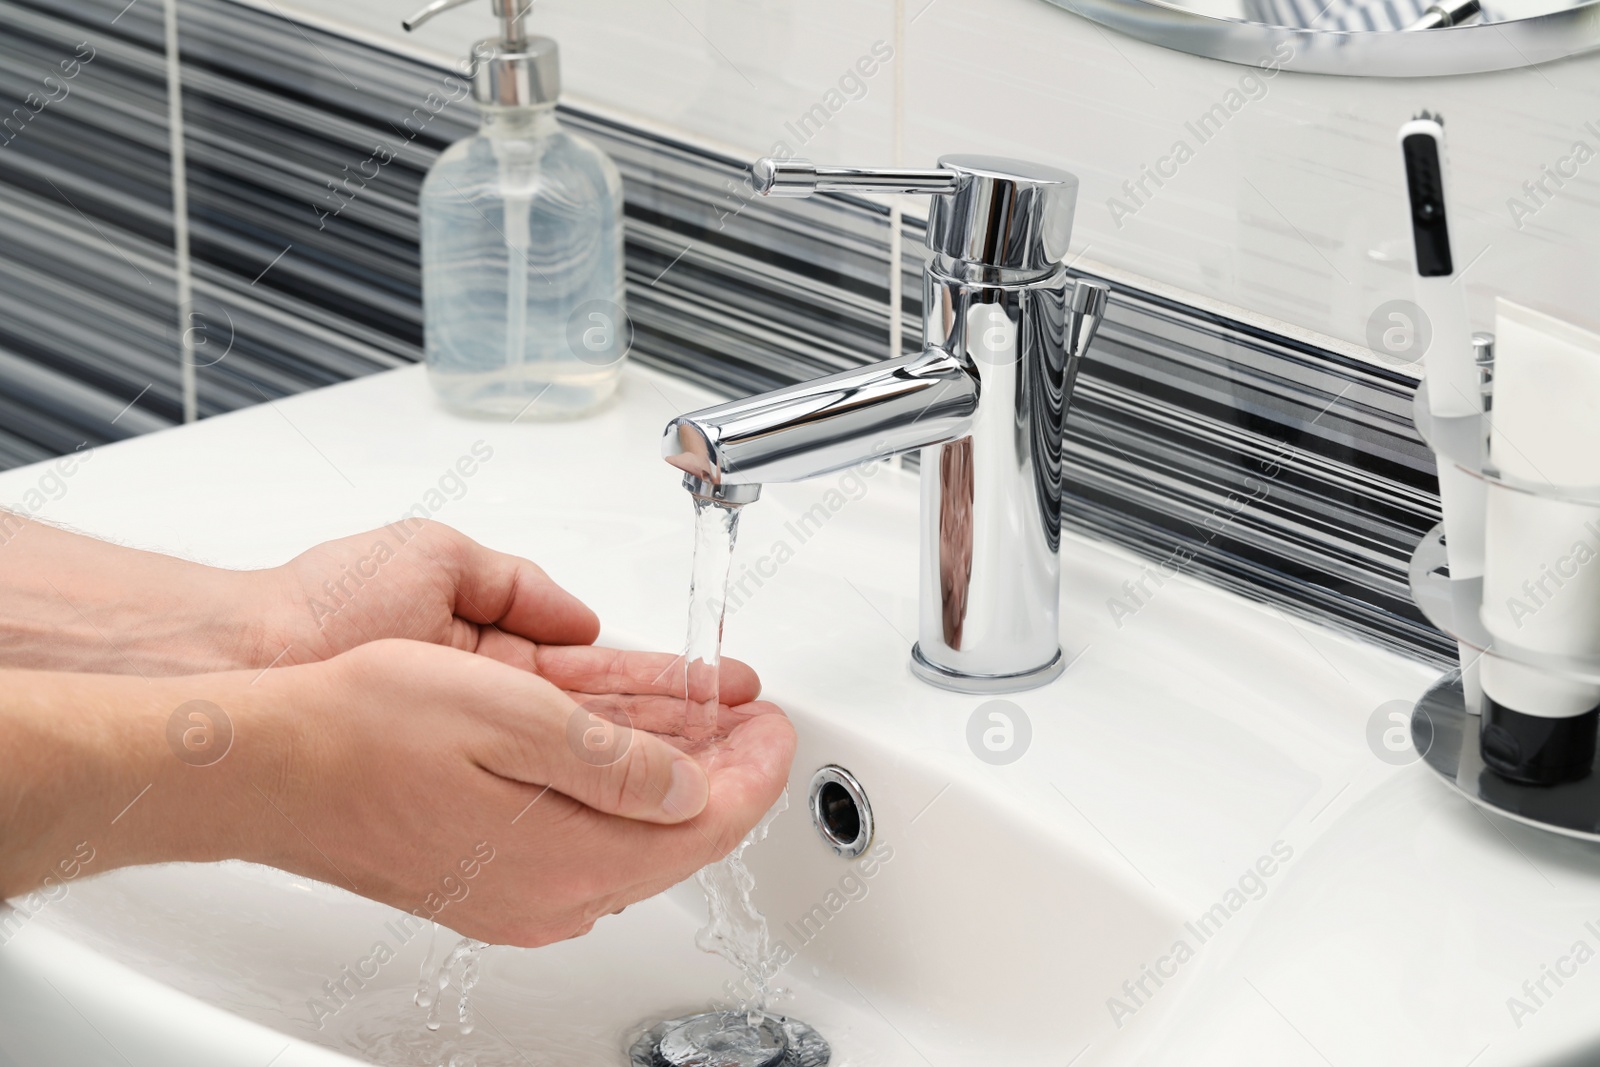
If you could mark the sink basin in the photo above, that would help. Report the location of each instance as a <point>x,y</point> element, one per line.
<point>1196,858</point>
<point>922,959</point>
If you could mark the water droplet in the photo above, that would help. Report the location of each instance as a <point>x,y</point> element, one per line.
<point>425,990</point>
<point>460,968</point>
<point>471,962</point>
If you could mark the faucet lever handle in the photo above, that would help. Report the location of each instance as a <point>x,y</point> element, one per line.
<point>995,212</point>
<point>1088,301</point>
<point>801,177</point>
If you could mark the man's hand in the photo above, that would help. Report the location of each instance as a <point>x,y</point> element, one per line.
<point>448,722</point>
<point>422,581</point>
<point>502,803</point>
<point>75,603</point>
<point>419,754</point>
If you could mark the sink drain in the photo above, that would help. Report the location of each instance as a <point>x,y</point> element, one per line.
<point>729,1039</point>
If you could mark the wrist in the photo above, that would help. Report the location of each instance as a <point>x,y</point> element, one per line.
<point>224,745</point>
<point>185,618</point>
<point>106,771</point>
<point>231,621</point>
<point>74,603</point>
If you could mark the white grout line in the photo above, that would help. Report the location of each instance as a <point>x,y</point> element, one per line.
<point>180,217</point>
<point>896,280</point>
<point>897,154</point>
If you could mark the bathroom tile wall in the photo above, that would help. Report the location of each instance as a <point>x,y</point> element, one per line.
<point>87,289</point>
<point>1293,210</point>
<point>296,285</point>
<point>306,150</point>
<point>1281,467</point>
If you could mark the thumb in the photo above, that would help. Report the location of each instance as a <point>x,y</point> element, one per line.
<point>591,752</point>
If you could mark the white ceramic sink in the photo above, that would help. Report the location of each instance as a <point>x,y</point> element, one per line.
<point>924,957</point>
<point>1200,776</point>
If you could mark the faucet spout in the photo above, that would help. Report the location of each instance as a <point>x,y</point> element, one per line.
<point>826,424</point>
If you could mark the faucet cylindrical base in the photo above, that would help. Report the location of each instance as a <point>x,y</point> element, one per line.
<point>992,498</point>
<point>985,684</point>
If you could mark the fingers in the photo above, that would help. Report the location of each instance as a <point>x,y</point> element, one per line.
<point>495,643</point>
<point>585,669</point>
<point>750,770</point>
<point>661,715</point>
<point>748,773</point>
<point>588,752</point>
<point>512,593</point>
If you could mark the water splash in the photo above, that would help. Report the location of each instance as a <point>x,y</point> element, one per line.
<point>461,967</point>
<point>427,991</point>
<point>471,971</point>
<point>735,928</point>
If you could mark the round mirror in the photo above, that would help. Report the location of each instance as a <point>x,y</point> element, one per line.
<point>1379,38</point>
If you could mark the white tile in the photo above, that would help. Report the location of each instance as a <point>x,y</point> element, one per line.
<point>1294,208</point>
<point>736,73</point>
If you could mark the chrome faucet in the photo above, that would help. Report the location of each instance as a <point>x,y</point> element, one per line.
<point>1005,329</point>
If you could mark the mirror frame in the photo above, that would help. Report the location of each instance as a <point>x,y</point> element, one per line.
<point>1471,49</point>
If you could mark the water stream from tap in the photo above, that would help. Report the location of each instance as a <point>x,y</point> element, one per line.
<point>735,930</point>
<point>716,529</point>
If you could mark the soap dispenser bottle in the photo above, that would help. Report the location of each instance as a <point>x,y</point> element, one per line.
<point>522,270</point>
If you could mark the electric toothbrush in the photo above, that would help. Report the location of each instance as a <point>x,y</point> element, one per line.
<point>1449,364</point>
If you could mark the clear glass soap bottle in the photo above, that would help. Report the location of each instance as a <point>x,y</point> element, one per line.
<point>522,270</point>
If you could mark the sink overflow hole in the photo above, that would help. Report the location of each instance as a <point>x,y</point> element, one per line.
<point>840,812</point>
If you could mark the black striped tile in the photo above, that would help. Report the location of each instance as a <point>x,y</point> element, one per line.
<point>1275,468</point>
<point>86,261</point>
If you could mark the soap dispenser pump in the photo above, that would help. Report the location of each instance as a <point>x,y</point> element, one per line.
<point>522,269</point>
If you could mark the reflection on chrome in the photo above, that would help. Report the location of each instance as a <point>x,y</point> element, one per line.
<point>1005,327</point>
